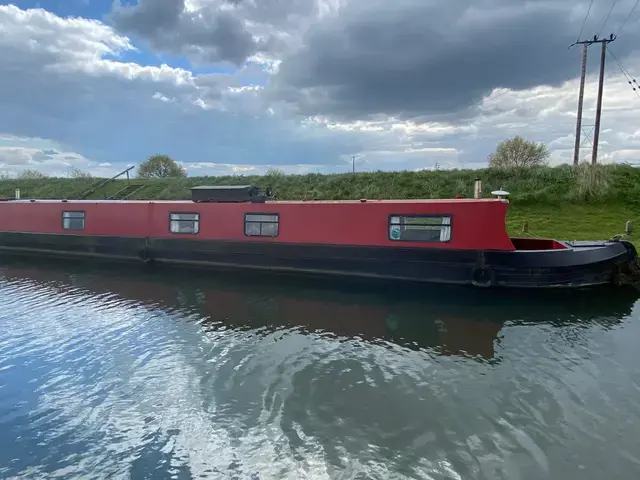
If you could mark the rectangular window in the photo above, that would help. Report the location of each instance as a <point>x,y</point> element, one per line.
<point>261,224</point>
<point>73,220</point>
<point>184,223</point>
<point>420,228</point>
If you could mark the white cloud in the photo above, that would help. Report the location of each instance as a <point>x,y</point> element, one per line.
<point>18,154</point>
<point>542,114</point>
<point>223,169</point>
<point>73,83</point>
<point>548,115</point>
<point>67,84</point>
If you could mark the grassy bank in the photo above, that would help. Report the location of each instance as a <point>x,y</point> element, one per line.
<point>564,202</point>
<point>573,221</point>
<point>608,183</point>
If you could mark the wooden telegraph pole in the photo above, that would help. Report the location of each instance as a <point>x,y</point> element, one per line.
<point>576,150</point>
<point>596,135</point>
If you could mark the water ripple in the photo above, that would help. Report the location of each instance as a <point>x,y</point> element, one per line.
<point>127,376</point>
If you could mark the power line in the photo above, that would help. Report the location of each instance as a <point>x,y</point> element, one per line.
<point>628,16</point>
<point>624,70</point>
<point>626,73</point>
<point>608,15</point>
<point>585,21</point>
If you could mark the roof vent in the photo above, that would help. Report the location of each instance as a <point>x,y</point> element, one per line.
<point>500,193</point>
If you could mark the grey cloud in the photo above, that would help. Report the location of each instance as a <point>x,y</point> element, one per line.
<point>148,17</point>
<point>12,156</point>
<point>210,35</point>
<point>221,30</point>
<point>431,59</point>
<point>125,124</point>
<point>42,156</point>
<point>278,13</point>
<point>49,94</point>
<point>50,152</point>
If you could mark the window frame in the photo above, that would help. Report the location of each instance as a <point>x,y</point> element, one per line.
<point>83,218</point>
<point>418,215</point>
<point>183,213</point>
<point>244,224</point>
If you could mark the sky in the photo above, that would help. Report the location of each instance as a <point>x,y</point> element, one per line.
<point>242,86</point>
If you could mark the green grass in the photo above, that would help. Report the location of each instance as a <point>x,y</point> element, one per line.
<point>573,222</point>
<point>539,185</point>
<point>562,202</point>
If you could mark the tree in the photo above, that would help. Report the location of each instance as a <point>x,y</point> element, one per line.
<point>75,172</point>
<point>160,166</point>
<point>30,174</point>
<point>518,152</point>
<point>275,173</point>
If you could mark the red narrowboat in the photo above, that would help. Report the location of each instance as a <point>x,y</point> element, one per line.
<point>449,241</point>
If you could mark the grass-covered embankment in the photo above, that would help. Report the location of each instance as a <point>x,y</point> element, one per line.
<point>564,202</point>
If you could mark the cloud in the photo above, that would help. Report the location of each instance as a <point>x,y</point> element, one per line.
<point>401,85</point>
<point>210,31</point>
<point>64,74</point>
<point>67,84</point>
<point>543,114</point>
<point>18,154</point>
<point>417,59</point>
<point>211,34</point>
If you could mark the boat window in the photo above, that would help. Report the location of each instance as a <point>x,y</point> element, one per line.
<point>261,224</point>
<point>420,228</point>
<point>184,223</point>
<point>73,220</point>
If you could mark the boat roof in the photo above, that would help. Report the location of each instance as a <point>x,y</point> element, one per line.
<point>222,187</point>
<point>279,202</point>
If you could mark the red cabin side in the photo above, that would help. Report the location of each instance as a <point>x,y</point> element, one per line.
<point>476,224</point>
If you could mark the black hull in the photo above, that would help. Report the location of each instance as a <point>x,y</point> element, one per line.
<point>583,265</point>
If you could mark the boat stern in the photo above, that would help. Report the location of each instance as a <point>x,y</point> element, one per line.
<point>552,264</point>
<point>628,268</point>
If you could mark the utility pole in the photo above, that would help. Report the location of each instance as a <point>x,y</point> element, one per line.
<point>596,135</point>
<point>576,150</point>
<point>353,163</point>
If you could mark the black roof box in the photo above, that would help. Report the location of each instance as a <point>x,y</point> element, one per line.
<point>228,193</point>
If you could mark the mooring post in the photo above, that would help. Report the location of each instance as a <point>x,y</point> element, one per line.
<point>627,228</point>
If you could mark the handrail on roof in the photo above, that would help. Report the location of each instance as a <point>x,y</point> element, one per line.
<point>106,182</point>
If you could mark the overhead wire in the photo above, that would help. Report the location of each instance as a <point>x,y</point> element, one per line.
<point>608,15</point>
<point>629,16</point>
<point>584,22</point>
<point>627,74</point>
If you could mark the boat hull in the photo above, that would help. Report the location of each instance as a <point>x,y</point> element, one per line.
<point>580,265</point>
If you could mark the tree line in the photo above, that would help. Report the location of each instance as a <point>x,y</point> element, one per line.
<point>513,152</point>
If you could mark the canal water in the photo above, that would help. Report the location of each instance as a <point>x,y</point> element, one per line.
<point>123,373</point>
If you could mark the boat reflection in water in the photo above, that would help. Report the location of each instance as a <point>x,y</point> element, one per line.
<point>445,320</point>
